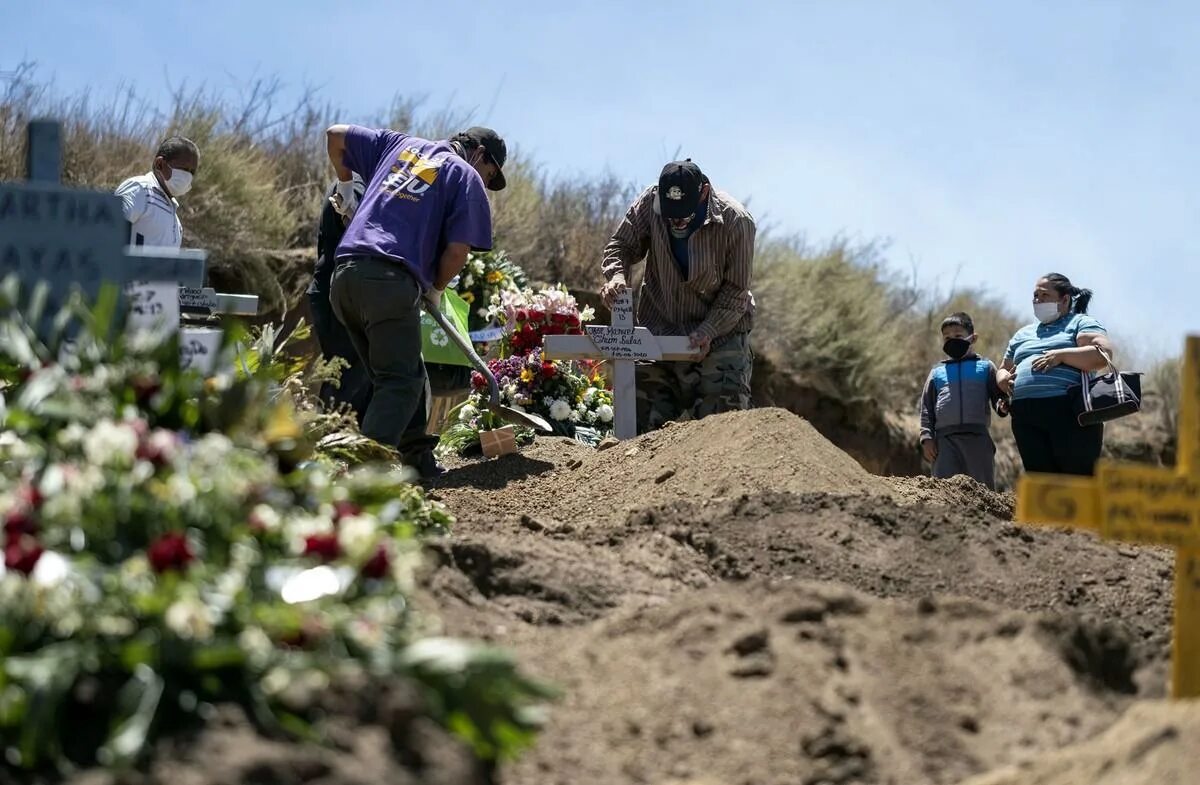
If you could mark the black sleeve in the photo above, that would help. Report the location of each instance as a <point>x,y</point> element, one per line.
<point>329,234</point>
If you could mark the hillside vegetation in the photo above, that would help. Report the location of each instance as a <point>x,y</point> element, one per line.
<point>835,317</point>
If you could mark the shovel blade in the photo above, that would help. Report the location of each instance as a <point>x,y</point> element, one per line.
<point>527,419</point>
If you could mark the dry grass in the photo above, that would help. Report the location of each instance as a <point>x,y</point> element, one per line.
<point>836,315</point>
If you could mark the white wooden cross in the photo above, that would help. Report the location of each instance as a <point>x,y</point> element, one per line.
<point>622,343</point>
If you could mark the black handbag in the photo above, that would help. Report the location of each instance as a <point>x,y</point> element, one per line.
<point>1106,396</point>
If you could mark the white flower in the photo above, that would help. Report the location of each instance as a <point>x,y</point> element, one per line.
<point>604,412</point>
<point>181,489</point>
<point>469,281</point>
<point>71,436</point>
<point>110,444</point>
<point>574,415</point>
<point>256,644</point>
<point>438,337</point>
<point>482,313</point>
<point>587,314</point>
<point>265,516</point>
<point>357,536</point>
<point>190,619</point>
<point>467,413</point>
<point>560,409</point>
<point>589,394</point>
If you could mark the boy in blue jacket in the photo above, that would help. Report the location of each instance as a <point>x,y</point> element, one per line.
<point>956,407</point>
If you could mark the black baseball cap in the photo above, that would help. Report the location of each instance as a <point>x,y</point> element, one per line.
<point>494,146</point>
<point>679,189</point>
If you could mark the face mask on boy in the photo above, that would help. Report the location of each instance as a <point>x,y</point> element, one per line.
<point>956,348</point>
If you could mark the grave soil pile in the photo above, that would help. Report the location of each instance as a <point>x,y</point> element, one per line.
<point>735,601</point>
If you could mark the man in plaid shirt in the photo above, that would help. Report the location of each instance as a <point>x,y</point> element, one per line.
<point>698,244</point>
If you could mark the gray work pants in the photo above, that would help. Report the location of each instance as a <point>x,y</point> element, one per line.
<point>972,454</point>
<point>379,302</point>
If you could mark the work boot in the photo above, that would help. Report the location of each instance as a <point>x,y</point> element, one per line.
<point>425,464</point>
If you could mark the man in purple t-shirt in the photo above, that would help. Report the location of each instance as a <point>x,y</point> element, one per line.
<point>425,207</point>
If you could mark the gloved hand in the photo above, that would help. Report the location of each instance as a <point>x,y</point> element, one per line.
<point>611,289</point>
<point>433,296</point>
<point>345,198</point>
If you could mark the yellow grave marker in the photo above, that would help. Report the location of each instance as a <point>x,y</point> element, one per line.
<point>1143,504</point>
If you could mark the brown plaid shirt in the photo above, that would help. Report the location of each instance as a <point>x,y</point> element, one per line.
<point>714,299</point>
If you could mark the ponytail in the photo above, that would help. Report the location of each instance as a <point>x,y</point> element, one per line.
<point>1080,298</point>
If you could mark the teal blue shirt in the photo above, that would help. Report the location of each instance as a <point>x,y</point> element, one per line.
<point>1034,339</point>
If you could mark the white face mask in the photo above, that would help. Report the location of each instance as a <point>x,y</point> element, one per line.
<point>179,183</point>
<point>1045,312</point>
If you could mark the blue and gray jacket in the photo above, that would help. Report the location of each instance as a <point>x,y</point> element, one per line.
<point>959,396</point>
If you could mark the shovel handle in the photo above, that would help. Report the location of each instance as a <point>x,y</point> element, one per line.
<point>464,344</point>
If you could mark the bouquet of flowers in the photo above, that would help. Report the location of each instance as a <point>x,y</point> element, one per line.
<point>485,276</point>
<point>170,543</point>
<point>528,316</point>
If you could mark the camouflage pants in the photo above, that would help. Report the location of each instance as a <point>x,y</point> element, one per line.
<point>688,391</point>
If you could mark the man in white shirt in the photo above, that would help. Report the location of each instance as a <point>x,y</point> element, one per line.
<point>151,200</point>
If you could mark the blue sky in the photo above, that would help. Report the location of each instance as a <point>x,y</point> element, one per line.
<point>988,142</point>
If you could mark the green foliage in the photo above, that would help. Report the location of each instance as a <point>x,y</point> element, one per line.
<point>170,544</point>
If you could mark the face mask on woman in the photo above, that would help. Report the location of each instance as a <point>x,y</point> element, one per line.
<point>1045,312</point>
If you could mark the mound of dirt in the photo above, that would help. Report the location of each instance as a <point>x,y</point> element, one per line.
<point>726,456</point>
<point>801,682</point>
<point>1152,744</point>
<point>626,575</point>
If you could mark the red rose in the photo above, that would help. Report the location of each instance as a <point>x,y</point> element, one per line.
<point>21,553</point>
<point>558,318</point>
<point>377,566</point>
<point>573,320</point>
<point>522,315</point>
<point>477,380</point>
<point>537,315</point>
<point>170,552</point>
<point>344,509</point>
<point>19,521</point>
<point>548,370</point>
<point>554,329</point>
<point>322,546</point>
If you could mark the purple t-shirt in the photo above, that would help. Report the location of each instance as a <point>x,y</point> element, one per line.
<point>420,196</point>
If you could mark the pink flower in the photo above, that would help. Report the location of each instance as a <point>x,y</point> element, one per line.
<point>158,447</point>
<point>344,509</point>
<point>170,552</point>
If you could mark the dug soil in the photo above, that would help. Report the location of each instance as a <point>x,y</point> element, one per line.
<point>735,601</point>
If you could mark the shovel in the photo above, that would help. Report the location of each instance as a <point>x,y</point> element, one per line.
<point>506,413</point>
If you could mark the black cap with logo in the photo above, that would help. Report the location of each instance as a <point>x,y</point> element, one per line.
<point>679,189</point>
<point>494,146</point>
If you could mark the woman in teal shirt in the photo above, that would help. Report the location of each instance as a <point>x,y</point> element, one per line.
<point>1041,366</point>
